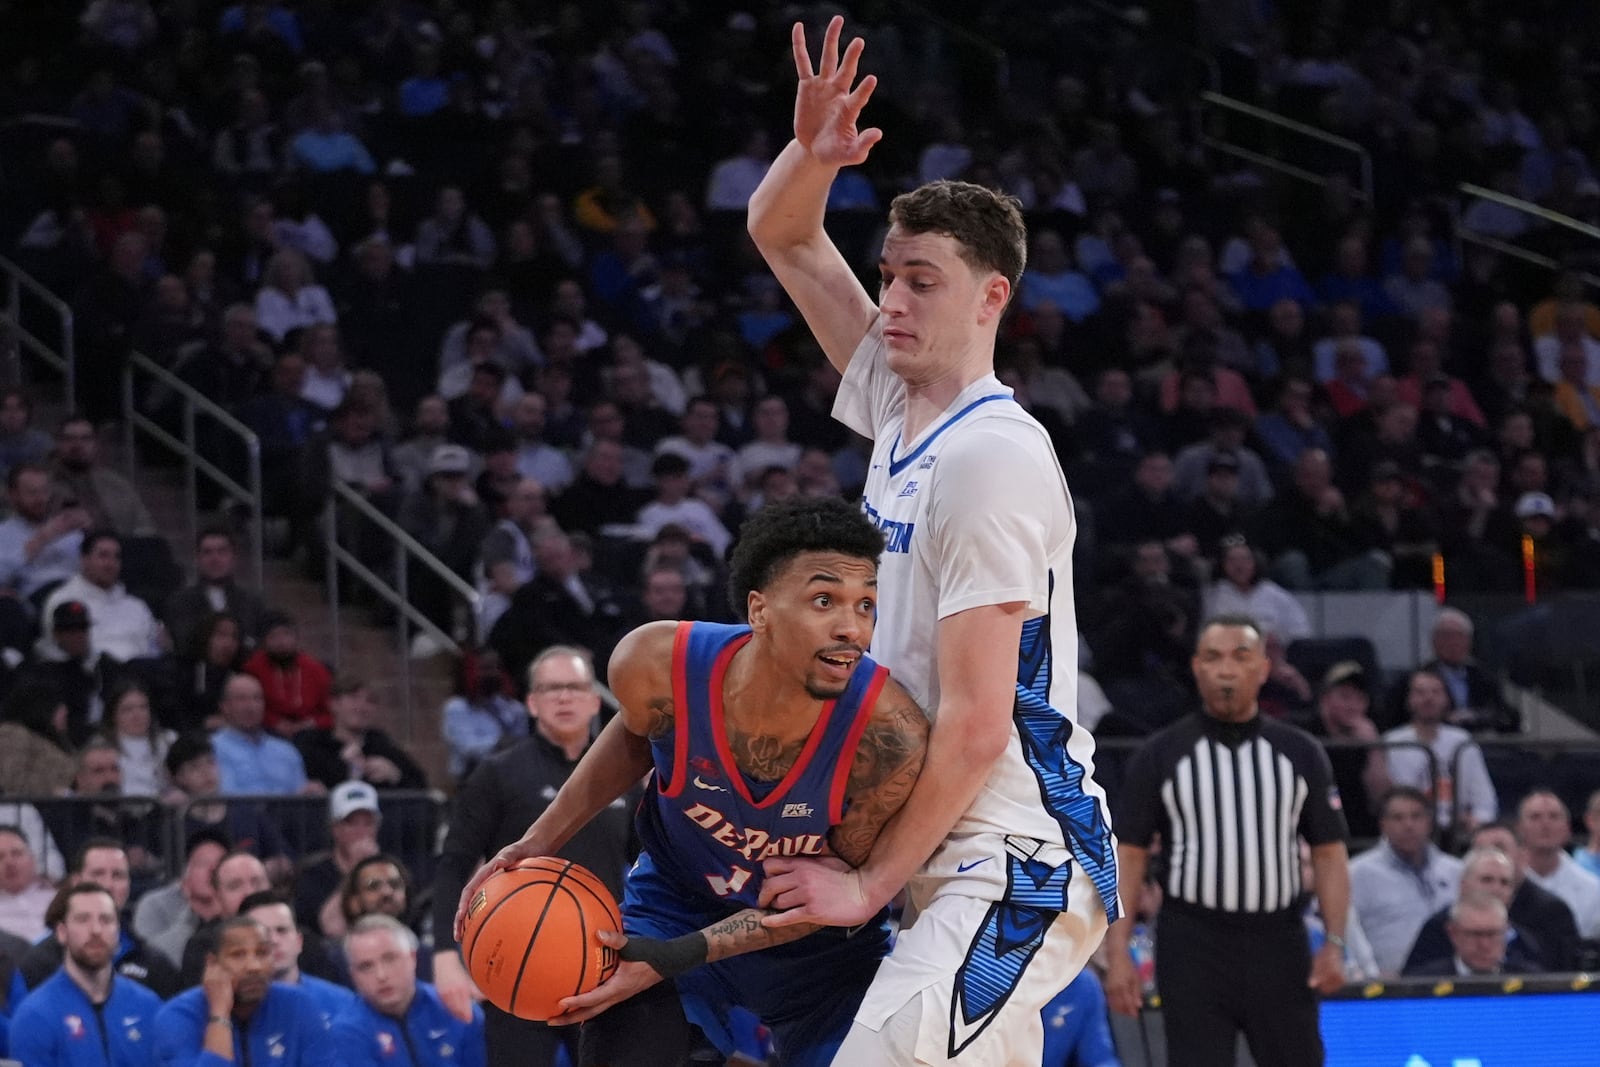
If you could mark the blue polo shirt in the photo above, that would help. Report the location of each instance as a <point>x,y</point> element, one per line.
<point>286,1030</point>
<point>57,1026</point>
<point>428,1036</point>
<point>263,764</point>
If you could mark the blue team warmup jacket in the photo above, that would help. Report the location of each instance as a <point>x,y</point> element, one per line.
<point>56,1026</point>
<point>287,1030</point>
<point>429,1036</point>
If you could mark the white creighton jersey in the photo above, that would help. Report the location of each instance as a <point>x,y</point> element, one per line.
<point>974,512</point>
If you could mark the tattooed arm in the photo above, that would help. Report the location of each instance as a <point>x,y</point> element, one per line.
<point>887,763</point>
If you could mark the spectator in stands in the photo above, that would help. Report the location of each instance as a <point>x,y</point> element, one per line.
<point>120,624</point>
<point>429,426</point>
<point>288,946</point>
<point>216,590</point>
<point>1475,701</point>
<point>1342,715</point>
<point>665,595</point>
<point>1290,429</point>
<point>24,893</point>
<point>499,475</point>
<point>1486,871</point>
<point>20,440</point>
<point>475,414</point>
<point>1588,852</point>
<point>139,741</point>
<point>1344,331</point>
<point>251,760</point>
<point>215,652</point>
<point>353,821</point>
<point>599,497</point>
<point>1545,826</point>
<point>453,235</point>
<point>1569,331</point>
<point>327,147</point>
<point>289,298</point>
<point>167,917</point>
<point>1399,882</point>
<point>80,480</point>
<point>51,1025</point>
<point>39,546</point>
<point>393,1004</point>
<point>710,461</point>
<point>249,152</point>
<point>770,447</point>
<point>482,716</point>
<point>1242,588</point>
<point>1413,289</point>
<point>1535,909</point>
<point>35,750</point>
<point>558,606</point>
<point>196,791</point>
<point>352,748</point>
<point>515,348</point>
<point>294,684</point>
<point>674,506</point>
<point>379,885</point>
<point>102,862</point>
<point>1191,466</point>
<point>79,680</point>
<point>1351,281</point>
<point>1462,792</point>
<point>236,875</point>
<point>285,424</point>
<point>444,514</point>
<point>1478,927</point>
<point>1149,509</point>
<point>327,379</point>
<point>536,457</point>
<point>506,558</point>
<point>1268,277</point>
<point>242,1011</point>
<point>1310,538</point>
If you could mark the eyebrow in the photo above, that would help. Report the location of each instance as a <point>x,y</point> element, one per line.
<point>930,264</point>
<point>834,579</point>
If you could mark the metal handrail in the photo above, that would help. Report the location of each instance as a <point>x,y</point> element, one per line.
<point>1528,207</point>
<point>1273,118</point>
<point>196,402</point>
<point>66,360</point>
<point>1511,248</point>
<point>396,595</point>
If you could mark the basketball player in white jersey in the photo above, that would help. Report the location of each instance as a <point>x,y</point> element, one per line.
<point>1004,845</point>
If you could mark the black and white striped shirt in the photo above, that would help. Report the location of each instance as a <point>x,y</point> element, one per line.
<point>1231,801</point>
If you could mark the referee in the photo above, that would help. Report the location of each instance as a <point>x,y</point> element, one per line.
<point>1230,794</point>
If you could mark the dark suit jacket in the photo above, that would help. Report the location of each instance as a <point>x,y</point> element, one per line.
<point>1446,968</point>
<point>188,607</point>
<point>1433,945</point>
<point>1483,695</point>
<point>1547,917</point>
<point>544,613</point>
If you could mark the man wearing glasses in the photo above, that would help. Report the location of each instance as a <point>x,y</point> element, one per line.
<point>502,797</point>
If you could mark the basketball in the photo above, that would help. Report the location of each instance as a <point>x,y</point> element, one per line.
<point>530,938</point>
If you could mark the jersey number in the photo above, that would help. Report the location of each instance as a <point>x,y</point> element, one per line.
<point>731,884</point>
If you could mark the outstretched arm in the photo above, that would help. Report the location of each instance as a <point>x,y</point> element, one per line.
<point>786,211</point>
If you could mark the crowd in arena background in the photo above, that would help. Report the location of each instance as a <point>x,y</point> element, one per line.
<point>486,263</point>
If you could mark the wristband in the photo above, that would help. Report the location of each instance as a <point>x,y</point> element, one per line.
<point>1336,940</point>
<point>668,958</point>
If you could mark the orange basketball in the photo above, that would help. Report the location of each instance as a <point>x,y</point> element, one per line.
<point>530,936</point>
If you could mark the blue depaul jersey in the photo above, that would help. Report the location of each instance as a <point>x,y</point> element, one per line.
<point>429,1036</point>
<point>286,1030</point>
<point>56,1026</point>
<point>331,998</point>
<point>707,826</point>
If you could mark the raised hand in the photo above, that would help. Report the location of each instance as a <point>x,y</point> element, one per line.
<point>826,106</point>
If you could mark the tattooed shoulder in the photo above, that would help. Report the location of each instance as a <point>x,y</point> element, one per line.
<point>896,734</point>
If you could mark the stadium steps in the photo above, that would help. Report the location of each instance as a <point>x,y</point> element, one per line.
<point>366,649</point>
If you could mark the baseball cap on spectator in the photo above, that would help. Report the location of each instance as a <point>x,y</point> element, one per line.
<point>1345,672</point>
<point>1535,505</point>
<point>348,798</point>
<point>70,615</point>
<point>449,459</point>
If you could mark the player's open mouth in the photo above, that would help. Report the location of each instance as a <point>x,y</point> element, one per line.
<point>838,661</point>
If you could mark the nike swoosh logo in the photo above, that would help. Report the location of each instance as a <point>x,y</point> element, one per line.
<point>434,1035</point>
<point>699,784</point>
<point>968,866</point>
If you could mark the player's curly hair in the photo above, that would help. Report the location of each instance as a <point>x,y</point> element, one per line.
<point>783,529</point>
<point>987,225</point>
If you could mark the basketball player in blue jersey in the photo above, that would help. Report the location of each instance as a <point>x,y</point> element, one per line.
<point>1004,847</point>
<point>772,739</point>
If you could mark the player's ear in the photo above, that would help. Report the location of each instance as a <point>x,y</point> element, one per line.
<point>755,610</point>
<point>996,294</point>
